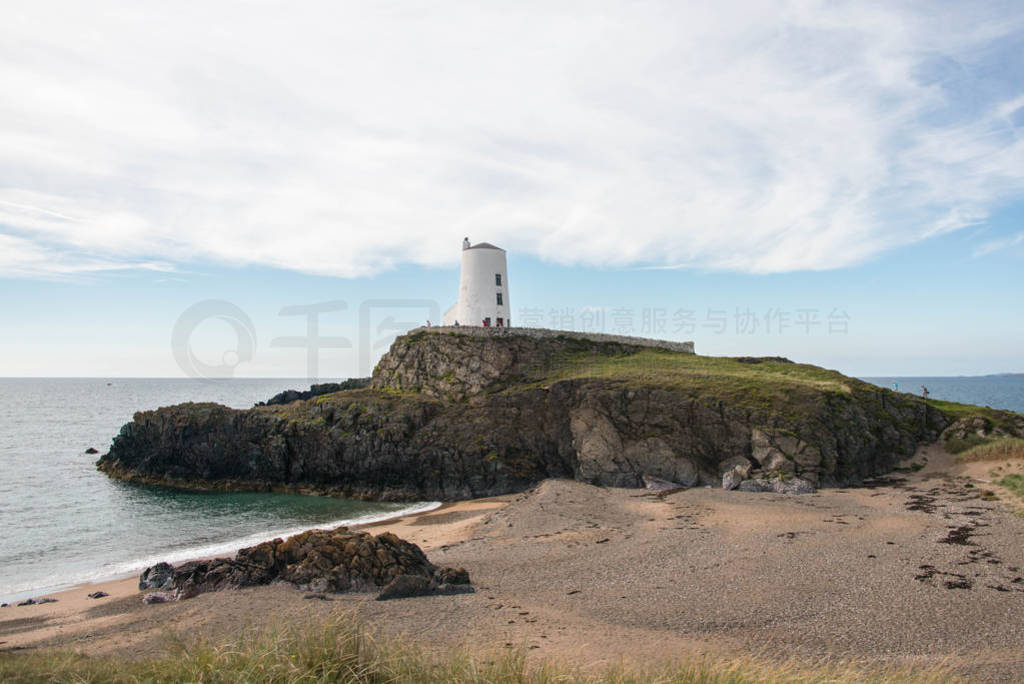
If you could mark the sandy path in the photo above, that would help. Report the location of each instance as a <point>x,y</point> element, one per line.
<point>915,567</point>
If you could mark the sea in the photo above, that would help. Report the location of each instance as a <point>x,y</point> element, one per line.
<point>63,523</point>
<point>996,391</point>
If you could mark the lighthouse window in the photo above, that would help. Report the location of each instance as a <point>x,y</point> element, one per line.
<point>497,279</point>
<point>499,299</point>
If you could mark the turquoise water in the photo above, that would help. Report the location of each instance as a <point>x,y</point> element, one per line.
<point>63,522</point>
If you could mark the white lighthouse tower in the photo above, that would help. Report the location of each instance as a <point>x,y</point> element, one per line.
<point>483,288</point>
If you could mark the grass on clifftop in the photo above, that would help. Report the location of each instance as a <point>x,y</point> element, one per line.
<point>749,381</point>
<point>654,366</point>
<point>341,651</point>
<point>956,411</point>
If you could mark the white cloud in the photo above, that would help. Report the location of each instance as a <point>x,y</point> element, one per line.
<point>344,139</point>
<point>24,258</point>
<point>999,245</point>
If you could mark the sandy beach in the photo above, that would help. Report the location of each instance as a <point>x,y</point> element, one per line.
<point>915,568</point>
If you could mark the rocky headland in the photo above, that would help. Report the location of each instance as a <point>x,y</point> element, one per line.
<point>452,414</point>
<point>288,396</point>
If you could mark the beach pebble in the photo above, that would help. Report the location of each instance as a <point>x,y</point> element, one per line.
<point>655,484</point>
<point>793,485</point>
<point>318,597</point>
<point>37,602</point>
<point>759,484</point>
<point>451,576</point>
<point>405,586</point>
<point>158,597</point>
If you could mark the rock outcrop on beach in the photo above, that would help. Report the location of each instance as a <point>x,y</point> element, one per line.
<point>978,428</point>
<point>332,561</point>
<point>454,416</point>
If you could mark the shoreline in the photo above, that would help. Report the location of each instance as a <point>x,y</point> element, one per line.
<point>369,522</point>
<point>601,576</point>
<point>216,550</point>
<point>52,624</point>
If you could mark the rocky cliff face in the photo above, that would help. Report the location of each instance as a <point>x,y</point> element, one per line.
<point>450,417</point>
<point>454,366</point>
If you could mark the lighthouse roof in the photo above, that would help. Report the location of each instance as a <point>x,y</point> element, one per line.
<point>485,245</point>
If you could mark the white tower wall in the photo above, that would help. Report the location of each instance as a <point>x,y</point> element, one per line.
<point>483,267</point>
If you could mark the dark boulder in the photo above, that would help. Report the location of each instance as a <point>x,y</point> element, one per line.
<point>156,577</point>
<point>317,561</point>
<point>732,479</point>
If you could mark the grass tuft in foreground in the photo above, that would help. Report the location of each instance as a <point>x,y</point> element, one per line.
<point>341,651</point>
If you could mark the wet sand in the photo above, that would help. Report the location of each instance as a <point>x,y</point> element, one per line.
<point>917,567</point>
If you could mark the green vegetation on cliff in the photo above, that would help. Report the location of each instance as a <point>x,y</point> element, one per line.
<point>752,382</point>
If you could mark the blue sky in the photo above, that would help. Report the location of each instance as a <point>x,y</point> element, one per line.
<point>856,165</point>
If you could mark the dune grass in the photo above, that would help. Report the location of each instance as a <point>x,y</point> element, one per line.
<point>340,650</point>
<point>998,449</point>
<point>1014,483</point>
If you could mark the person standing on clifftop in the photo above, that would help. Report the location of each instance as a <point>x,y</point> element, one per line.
<point>924,392</point>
